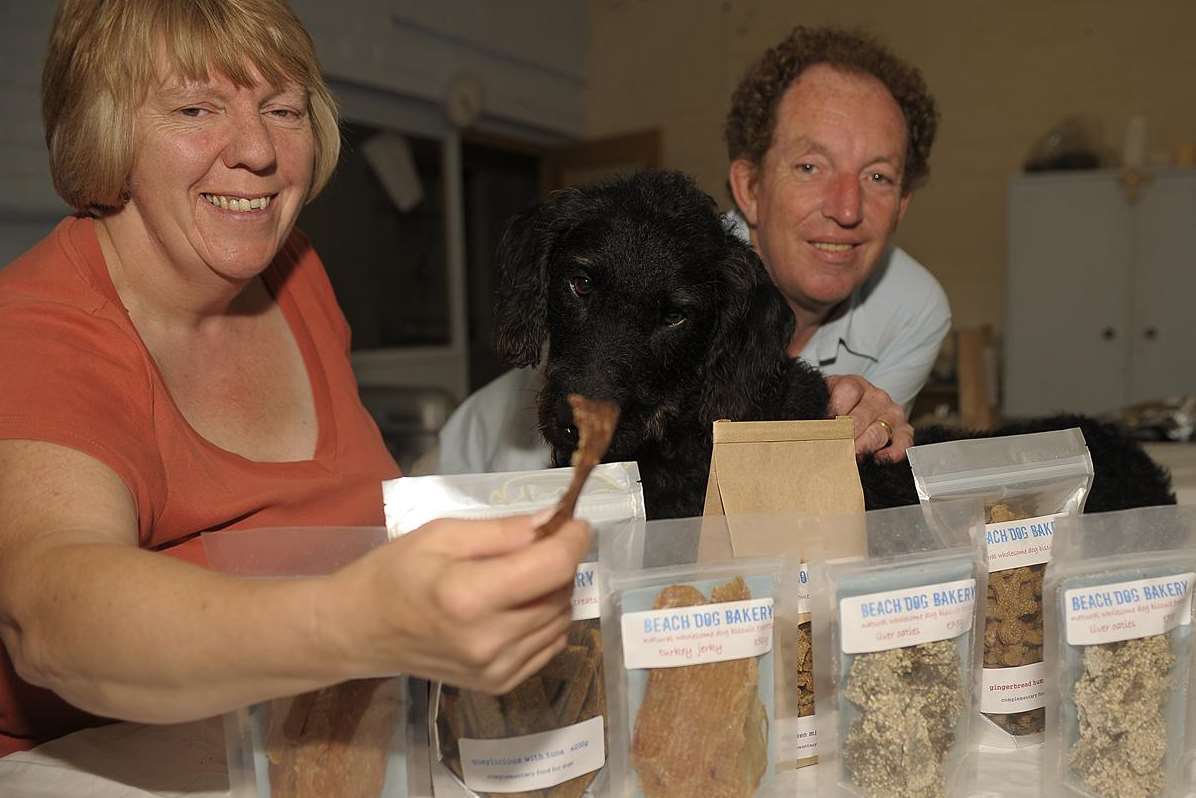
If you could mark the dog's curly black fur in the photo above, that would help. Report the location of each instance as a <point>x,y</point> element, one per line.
<point>645,297</point>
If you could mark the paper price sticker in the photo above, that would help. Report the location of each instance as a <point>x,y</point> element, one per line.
<point>1004,691</point>
<point>533,761</point>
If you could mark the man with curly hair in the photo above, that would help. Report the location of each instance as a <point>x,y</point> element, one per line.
<point>828,135</point>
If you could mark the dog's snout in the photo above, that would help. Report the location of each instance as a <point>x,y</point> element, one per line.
<point>564,418</point>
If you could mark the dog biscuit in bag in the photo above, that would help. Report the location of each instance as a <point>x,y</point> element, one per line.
<point>1119,599</point>
<point>1026,482</point>
<point>896,642</point>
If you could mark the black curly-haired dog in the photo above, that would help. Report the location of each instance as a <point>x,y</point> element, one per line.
<point>645,297</point>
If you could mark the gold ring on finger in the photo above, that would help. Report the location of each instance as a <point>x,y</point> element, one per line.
<point>888,430</point>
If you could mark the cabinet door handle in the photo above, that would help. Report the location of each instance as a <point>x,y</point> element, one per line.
<point>1108,333</point>
<point>1151,333</point>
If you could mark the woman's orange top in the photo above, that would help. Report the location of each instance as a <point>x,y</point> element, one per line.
<point>76,373</point>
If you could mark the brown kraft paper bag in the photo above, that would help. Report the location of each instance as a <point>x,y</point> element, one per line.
<point>762,474</point>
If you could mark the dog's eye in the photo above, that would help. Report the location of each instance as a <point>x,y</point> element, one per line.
<point>673,318</point>
<point>580,284</point>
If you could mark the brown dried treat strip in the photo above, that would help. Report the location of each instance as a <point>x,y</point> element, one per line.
<point>336,741</point>
<point>595,421</point>
<point>567,690</point>
<point>485,715</point>
<point>579,632</point>
<point>699,731</point>
<point>565,664</point>
<point>568,709</point>
<point>296,716</point>
<point>594,641</point>
<point>527,708</point>
<point>554,689</point>
<point>595,703</point>
<point>593,706</point>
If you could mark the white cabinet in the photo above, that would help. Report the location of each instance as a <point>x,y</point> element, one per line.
<point>1099,291</point>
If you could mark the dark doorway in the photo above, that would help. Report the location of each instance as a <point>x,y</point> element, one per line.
<point>388,265</point>
<point>499,183</point>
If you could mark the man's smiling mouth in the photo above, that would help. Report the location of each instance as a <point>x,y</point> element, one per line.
<point>827,246</point>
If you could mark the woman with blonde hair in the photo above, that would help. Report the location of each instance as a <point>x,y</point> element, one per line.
<point>175,362</point>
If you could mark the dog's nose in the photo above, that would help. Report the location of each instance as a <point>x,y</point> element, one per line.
<point>564,419</point>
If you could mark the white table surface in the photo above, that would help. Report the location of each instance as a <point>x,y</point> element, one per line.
<point>123,760</point>
<point>129,760</point>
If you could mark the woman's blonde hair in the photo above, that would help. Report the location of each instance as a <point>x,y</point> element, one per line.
<point>103,59</point>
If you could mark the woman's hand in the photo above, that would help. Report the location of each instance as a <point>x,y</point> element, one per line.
<point>478,604</point>
<point>881,427</point>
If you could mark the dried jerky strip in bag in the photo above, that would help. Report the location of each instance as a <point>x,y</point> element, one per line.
<point>346,739</point>
<point>563,695</point>
<point>692,679</point>
<point>334,741</point>
<point>696,716</point>
<point>557,714</point>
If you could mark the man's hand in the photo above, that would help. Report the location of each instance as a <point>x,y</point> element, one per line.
<point>880,424</point>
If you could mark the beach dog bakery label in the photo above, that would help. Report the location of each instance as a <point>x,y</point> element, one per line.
<point>585,593</point>
<point>898,618</point>
<point>1128,610</point>
<point>679,636</point>
<point>1017,544</point>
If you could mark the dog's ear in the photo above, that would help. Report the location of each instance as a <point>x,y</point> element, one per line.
<point>521,304</point>
<point>747,353</point>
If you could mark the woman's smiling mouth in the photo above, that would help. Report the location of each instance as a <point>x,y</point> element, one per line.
<point>240,204</point>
